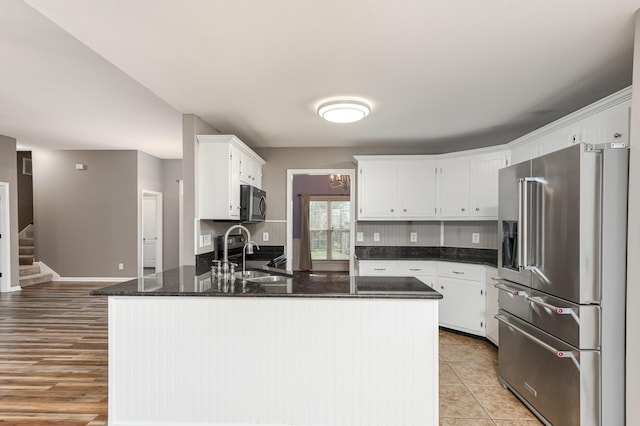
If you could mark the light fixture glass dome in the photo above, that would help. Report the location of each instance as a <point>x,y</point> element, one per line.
<point>347,111</point>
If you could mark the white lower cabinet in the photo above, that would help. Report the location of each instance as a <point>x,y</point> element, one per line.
<point>464,306</point>
<point>492,304</point>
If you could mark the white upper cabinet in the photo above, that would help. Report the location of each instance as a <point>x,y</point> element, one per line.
<point>454,188</point>
<point>220,172</point>
<point>429,187</point>
<point>483,185</point>
<point>416,190</point>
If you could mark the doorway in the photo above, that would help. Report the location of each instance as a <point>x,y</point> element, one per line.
<point>5,239</point>
<point>333,227</point>
<point>151,230</point>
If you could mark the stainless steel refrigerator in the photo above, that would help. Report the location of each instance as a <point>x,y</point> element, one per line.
<point>562,267</point>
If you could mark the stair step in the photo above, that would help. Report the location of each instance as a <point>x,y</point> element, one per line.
<point>25,259</point>
<point>22,241</point>
<point>25,270</point>
<point>27,250</point>
<point>35,279</point>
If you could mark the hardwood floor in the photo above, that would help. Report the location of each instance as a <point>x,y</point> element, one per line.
<point>53,355</point>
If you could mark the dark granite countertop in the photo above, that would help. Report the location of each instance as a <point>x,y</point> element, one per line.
<point>487,257</point>
<point>184,281</point>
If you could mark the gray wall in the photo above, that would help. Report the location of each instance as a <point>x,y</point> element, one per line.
<point>8,173</point>
<point>171,173</point>
<point>192,125</point>
<point>633,241</point>
<point>86,220</point>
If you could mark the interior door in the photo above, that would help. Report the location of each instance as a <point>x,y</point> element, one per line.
<point>150,235</point>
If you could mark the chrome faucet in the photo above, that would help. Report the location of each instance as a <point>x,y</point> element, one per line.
<point>250,244</point>
<point>225,258</point>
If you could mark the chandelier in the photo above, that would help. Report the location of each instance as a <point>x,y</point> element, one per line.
<point>340,181</point>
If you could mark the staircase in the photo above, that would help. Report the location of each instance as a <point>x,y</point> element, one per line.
<point>29,273</point>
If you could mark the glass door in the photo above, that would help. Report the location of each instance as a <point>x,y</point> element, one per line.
<point>329,224</point>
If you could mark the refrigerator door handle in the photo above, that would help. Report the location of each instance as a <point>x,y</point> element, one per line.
<point>522,233</point>
<point>557,309</point>
<point>510,290</point>
<point>557,352</point>
<point>526,222</point>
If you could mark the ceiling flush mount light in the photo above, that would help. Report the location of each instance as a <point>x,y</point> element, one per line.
<point>347,111</point>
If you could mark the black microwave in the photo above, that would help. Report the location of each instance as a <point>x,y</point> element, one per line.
<point>253,204</point>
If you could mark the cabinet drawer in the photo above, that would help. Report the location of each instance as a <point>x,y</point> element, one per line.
<point>461,271</point>
<point>415,268</point>
<point>377,268</point>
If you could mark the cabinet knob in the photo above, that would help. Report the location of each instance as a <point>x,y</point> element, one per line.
<point>405,210</point>
<point>617,135</point>
<point>391,210</point>
<point>462,209</point>
<point>477,209</point>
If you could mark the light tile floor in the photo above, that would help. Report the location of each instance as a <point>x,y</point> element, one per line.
<point>470,394</point>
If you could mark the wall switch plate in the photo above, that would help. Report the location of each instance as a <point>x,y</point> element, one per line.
<point>121,266</point>
<point>413,237</point>
<point>207,239</point>
<point>359,237</point>
<point>475,238</point>
<point>265,236</point>
<point>376,236</point>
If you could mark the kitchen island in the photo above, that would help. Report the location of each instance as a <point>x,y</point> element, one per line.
<point>322,350</point>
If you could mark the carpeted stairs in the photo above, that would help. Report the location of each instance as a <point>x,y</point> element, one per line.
<point>30,274</point>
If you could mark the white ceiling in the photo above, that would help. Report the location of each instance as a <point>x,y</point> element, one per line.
<point>449,74</point>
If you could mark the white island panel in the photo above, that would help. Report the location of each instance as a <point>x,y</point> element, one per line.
<point>272,361</point>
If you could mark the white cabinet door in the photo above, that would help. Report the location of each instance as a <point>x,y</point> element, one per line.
<point>377,268</point>
<point>417,190</point>
<point>463,305</point>
<point>492,304</point>
<point>234,183</point>
<point>483,191</point>
<point>454,188</point>
<point>377,185</point>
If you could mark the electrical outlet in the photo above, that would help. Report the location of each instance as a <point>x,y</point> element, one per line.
<point>413,237</point>
<point>207,239</point>
<point>121,266</point>
<point>376,236</point>
<point>265,236</point>
<point>475,238</point>
<point>359,237</point>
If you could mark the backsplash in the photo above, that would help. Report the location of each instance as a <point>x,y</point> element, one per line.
<point>398,233</point>
<point>277,232</point>
<point>433,234</point>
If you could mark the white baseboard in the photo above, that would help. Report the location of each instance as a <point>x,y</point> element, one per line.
<point>56,277</point>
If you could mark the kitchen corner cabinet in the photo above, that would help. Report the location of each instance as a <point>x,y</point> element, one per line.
<point>396,190</point>
<point>224,162</point>
<point>463,306</point>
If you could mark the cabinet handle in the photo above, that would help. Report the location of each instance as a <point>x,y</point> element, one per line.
<point>457,272</point>
<point>379,269</point>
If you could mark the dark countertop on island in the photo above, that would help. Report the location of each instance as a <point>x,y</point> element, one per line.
<point>184,281</point>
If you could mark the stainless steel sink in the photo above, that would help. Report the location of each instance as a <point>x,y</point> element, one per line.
<point>267,279</point>
<point>252,274</point>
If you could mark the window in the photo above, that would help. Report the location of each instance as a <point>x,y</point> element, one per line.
<point>329,223</point>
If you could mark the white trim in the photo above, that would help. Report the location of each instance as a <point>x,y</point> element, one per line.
<point>5,241</point>
<point>159,225</point>
<point>352,194</point>
<point>612,100</point>
<point>46,270</point>
<point>95,279</point>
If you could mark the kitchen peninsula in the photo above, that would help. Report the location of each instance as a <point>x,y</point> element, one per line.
<point>295,350</point>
